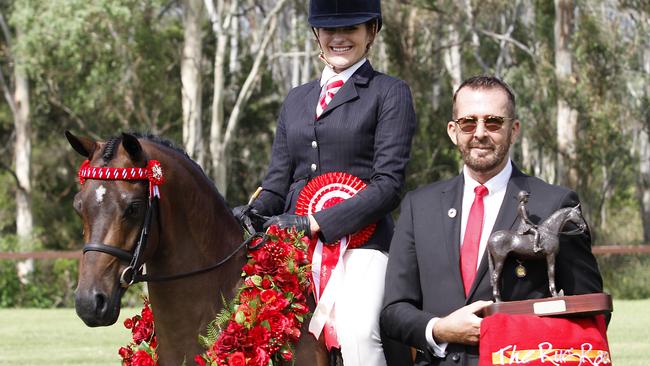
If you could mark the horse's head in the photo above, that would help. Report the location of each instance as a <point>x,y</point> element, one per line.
<point>113,212</point>
<point>574,216</point>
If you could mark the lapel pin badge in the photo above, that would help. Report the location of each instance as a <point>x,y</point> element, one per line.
<point>451,213</point>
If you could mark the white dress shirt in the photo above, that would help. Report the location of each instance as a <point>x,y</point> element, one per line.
<point>344,75</point>
<point>492,204</point>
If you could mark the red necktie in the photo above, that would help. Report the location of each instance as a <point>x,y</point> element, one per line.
<point>472,239</point>
<point>326,97</point>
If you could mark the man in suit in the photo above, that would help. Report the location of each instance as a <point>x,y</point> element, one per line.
<point>437,280</point>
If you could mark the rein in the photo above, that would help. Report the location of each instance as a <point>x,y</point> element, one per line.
<point>133,273</point>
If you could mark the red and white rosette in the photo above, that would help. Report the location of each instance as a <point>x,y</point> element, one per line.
<point>323,192</point>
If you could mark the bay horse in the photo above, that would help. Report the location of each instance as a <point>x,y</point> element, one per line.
<point>191,229</point>
<point>503,242</point>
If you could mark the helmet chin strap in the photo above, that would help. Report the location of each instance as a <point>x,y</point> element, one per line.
<point>321,55</point>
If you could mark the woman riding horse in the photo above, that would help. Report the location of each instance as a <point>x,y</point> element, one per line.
<point>357,121</point>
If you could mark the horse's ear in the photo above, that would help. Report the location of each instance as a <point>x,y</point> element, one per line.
<point>131,145</point>
<point>82,145</point>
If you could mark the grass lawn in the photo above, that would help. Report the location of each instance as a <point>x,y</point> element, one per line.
<point>57,337</point>
<point>35,337</point>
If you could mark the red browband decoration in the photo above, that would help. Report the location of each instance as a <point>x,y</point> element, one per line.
<point>152,173</point>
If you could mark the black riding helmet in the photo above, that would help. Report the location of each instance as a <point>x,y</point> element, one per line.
<point>343,13</point>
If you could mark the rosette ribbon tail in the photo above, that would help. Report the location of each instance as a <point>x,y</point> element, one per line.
<point>327,272</point>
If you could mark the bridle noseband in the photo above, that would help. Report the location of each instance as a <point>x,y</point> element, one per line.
<point>133,273</point>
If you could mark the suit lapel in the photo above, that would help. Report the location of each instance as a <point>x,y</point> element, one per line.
<point>349,90</point>
<point>506,218</point>
<point>312,100</point>
<point>452,206</point>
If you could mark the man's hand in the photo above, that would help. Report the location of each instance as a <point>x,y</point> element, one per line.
<point>461,326</point>
<point>285,221</point>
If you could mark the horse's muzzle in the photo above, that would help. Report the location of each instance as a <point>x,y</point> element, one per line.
<point>97,308</point>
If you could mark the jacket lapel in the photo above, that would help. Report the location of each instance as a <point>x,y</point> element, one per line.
<point>506,219</point>
<point>312,100</point>
<point>452,206</point>
<point>349,90</point>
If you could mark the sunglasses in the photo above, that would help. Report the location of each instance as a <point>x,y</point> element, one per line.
<point>492,123</point>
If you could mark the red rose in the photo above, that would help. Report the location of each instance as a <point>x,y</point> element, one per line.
<point>125,353</point>
<point>268,295</point>
<point>147,315</point>
<point>265,263</point>
<point>128,323</point>
<point>229,339</point>
<point>237,359</point>
<point>294,333</point>
<point>257,336</point>
<point>266,283</point>
<point>248,269</point>
<point>199,360</point>
<point>280,303</point>
<point>261,357</point>
<point>287,282</point>
<point>142,332</point>
<point>277,321</point>
<point>142,358</point>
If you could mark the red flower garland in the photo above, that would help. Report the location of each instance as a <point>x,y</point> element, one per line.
<point>263,321</point>
<point>142,350</point>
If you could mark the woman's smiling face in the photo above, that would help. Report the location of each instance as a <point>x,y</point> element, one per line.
<point>345,46</point>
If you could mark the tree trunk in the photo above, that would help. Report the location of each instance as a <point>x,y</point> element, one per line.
<point>220,25</point>
<point>567,117</point>
<point>191,80</point>
<point>295,57</point>
<point>23,152</point>
<point>306,63</point>
<point>643,181</point>
<point>452,57</point>
<point>220,140</point>
<point>643,154</point>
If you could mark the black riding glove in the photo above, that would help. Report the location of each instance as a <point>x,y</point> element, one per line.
<point>248,218</point>
<point>285,221</point>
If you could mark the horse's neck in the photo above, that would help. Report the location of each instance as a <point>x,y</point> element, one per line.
<point>196,230</point>
<point>196,218</point>
<point>555,222</point>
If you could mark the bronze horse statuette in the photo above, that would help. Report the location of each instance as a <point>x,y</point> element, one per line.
<point>191,229</point>
<point>501,243</point>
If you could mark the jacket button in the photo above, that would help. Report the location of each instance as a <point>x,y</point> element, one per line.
<point>314,144</point>
<point>313,167</point>
<point>455,357</point>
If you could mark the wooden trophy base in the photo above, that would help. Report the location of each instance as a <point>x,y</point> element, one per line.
<point>564,306</point>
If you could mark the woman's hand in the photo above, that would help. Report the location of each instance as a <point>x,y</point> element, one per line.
<point>299,223</point>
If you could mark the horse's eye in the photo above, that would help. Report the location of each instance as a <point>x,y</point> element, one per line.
<point>133,209</point>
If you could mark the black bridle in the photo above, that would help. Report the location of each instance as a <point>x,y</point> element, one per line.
<point>133,273</point>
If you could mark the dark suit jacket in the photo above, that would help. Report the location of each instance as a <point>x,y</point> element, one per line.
<point>423,277</point>
<point>366,131</point>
